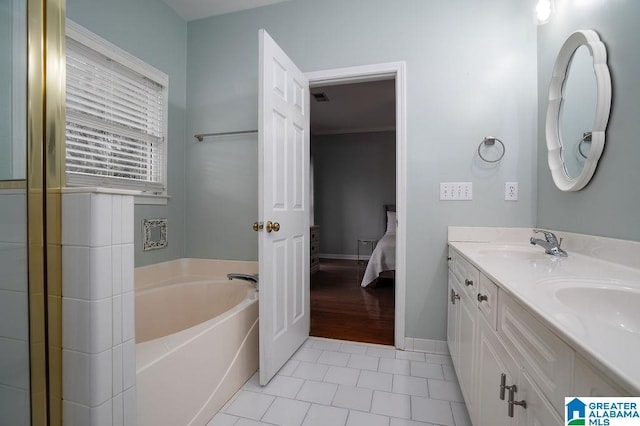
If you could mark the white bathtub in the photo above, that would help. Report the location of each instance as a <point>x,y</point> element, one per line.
<point>196,339</point>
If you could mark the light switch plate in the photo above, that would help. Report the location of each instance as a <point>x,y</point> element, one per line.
<point>456,191</point>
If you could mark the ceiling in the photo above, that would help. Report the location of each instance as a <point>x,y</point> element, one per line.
<point>198,9</point>
<point>354,108</point>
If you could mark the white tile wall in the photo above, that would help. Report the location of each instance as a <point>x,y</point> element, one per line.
<point>78,414</point>
<point>87,325</point>
<point>14,370</point>
<point>98,309</point>
<point>13,264</point>
<point>129,406</point>
<point>14,406</point>
<point>13,211</point>
<point>14,314</point>
<point>14,319</point>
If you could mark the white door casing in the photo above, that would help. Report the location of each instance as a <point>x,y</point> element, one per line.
<point>283,153</point>
<point>372,72</point>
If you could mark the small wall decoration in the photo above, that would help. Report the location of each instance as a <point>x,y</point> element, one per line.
<point>154,234</point>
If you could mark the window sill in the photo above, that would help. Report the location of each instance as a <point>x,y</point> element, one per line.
<point>140,197</point>
<point>151,199</point>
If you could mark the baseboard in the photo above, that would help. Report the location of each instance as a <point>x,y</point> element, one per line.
<point>415,344</point>
<point>343,256</point>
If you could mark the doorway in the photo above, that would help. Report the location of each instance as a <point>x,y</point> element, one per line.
<point>364,142</point>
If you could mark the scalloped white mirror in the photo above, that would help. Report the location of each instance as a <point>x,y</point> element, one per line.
<point>578,111</point>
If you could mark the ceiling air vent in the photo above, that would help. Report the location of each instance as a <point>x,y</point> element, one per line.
<point>320,97</point>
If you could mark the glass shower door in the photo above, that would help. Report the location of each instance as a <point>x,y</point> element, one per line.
<point>14,309</point>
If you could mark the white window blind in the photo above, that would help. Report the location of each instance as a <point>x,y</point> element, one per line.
<point>115,118</point>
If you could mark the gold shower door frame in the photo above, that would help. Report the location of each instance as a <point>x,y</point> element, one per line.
<point>45,178</point>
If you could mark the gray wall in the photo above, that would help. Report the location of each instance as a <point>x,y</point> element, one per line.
<point>150,30</point>
<point>6,93</point>
<point>13,89</point>
<point>354,177</point>
<point>609,205</point>
<point>470,73</point>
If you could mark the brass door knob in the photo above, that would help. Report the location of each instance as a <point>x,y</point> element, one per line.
<point>257,226</point>
<point>272,226</point>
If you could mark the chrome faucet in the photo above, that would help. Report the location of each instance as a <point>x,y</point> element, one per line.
<point>550,243</point>
<point>253,279</point>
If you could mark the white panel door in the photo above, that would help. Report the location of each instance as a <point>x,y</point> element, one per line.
<point>283,144</point>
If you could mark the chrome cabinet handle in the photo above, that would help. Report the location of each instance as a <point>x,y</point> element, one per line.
<point>503,386</point>
<point>482,297</point>
<point>512,393</point>
<point>454,296</point>
<point>468,282</point>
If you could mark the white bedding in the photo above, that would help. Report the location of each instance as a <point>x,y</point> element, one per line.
<point>382,259</point>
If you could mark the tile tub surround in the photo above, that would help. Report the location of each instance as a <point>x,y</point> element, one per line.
<point>592,261</point>
<point>337,383</point>
<point>97,302</point>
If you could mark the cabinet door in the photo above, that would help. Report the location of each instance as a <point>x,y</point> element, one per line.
<point>539,412</point>
<point>452,318</point>
<point>538,350</point>
<point>467,349</point>
<point>492,362</point>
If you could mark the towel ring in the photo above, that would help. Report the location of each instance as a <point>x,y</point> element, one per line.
<point>586,137</point>
<point>490,141</point>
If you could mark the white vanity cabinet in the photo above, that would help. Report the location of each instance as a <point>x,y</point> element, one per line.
<point>461,330</point>
<point>502,352</point>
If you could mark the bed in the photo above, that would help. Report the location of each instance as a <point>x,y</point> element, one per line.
<point>383,258</point>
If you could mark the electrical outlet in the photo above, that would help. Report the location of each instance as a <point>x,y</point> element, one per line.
<point>456,191</point>
<point>511,191</point>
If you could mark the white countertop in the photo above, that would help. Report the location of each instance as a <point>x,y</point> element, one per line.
<point>604,336</point>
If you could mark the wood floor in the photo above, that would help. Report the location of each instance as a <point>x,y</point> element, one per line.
<point>341,309</point>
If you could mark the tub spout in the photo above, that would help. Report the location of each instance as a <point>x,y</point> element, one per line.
<point>253,279</point>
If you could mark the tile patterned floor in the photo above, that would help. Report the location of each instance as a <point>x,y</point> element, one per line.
<point>339,383</point>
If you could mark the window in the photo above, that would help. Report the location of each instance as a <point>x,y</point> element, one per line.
<point>116,112</point>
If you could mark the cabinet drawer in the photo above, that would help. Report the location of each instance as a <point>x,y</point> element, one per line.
<point>488,300</point>
<point>547,358</point>
<point>468,275</point>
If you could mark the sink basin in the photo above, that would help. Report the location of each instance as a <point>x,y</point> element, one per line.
<point>615,305</point>
<point>513,252</point>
